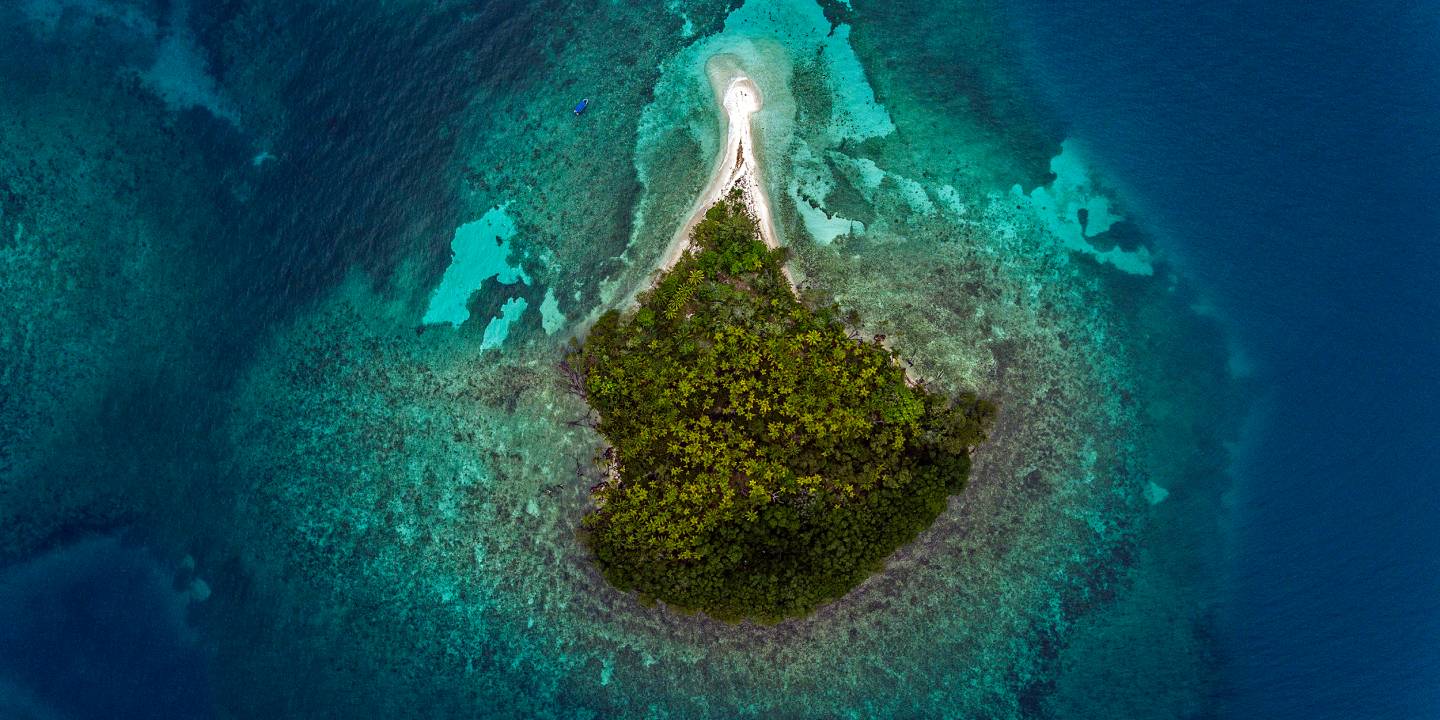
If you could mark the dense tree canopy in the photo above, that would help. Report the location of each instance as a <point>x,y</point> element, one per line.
<point>764,462</point>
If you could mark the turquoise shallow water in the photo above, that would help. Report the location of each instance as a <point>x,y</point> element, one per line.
<point>286,285</point>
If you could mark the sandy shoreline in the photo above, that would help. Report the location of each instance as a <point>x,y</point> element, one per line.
<point>736,165</point>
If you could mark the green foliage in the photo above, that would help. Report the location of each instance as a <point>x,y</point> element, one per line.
<point>765,462</point>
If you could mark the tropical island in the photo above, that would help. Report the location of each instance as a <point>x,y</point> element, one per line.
<point>764,459</point>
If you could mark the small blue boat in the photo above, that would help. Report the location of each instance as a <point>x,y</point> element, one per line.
<point>580,108</point>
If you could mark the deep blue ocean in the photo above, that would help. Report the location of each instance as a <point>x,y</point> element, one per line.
<point>1289,152</point>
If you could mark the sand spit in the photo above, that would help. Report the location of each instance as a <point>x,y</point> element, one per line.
<point>736,166</point>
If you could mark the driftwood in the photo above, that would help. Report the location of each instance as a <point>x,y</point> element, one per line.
<point>574,379</point>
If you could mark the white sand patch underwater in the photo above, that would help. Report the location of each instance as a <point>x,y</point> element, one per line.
<point>551,318</point>
<point>481,250</point>
<point>813,183</point>
<point>764,40</point>
<point>180,75</point>
<point>855,114</point>
<point>823,227</point>
<point>499,327</point>
<point>1060,203</point>
<point>177,72</point>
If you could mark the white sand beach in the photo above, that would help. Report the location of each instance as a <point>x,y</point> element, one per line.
<point>736,166</point>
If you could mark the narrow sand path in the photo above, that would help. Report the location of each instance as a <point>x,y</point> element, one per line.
<point>735,167</point>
